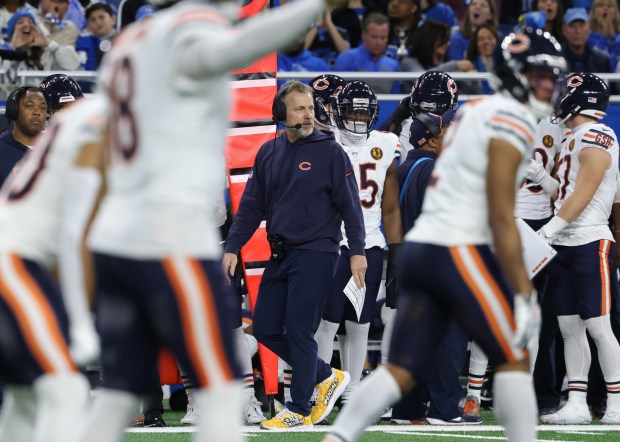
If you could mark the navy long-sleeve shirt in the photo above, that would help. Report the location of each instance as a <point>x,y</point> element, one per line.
<point>11,152</point>
<point>411,206</point>
<point>304,190</point>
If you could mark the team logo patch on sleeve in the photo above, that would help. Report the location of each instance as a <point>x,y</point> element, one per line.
<point>547,141</point>
<point>571,145</point>
<point>376,153</point>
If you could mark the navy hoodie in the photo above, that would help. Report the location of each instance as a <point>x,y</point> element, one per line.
<point>304,190</point>
<point>11,152</point>
<point>411,206</point>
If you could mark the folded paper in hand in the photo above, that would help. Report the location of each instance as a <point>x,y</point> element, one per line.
<point>536,252</point>
<point>356,296</point>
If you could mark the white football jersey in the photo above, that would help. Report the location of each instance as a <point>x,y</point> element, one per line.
<point>455,209</point>
<point>592,224</point>
<point>532,202</point>
<point>371,161</point>
<point>166,79</point>
<point>31,200</point>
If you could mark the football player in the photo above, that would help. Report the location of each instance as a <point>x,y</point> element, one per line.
<point>372,154</point>
<point>579,276</point>
<point>44,211</point>
<point>61,90</point>
<point>326,88</point>
<point>447,267</point>
<point>155,240</point>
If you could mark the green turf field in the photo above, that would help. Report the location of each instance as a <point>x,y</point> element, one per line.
<point>488,431</point>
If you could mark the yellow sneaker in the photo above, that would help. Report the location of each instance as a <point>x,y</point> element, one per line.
<point>328,393</point>
<point>286,420</point>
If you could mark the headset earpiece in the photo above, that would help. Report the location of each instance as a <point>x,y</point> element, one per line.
<point>278,109</point>
<point>12,103</point>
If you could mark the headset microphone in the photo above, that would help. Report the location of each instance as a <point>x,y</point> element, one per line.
<point>294,126</point>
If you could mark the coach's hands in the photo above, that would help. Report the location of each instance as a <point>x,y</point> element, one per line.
<point>358,269</point>
<point>229,264</point>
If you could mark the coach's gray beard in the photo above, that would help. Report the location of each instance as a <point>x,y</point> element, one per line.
<point>305,133</point>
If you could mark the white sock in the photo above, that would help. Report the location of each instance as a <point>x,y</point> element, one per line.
<point>110,414</point>
<point>478,362</point>
<point>356,352</point>
<point>189,388</point>
<point>244,359</point>
<point>61,401</point>
<point>222,421</point>
<point>608,350</point>
<point>389,314</point>
<point>18,414</point>
<point>576,352</point>
<point>515,405</point>
<point>378,391</point>
<point>324,338</point>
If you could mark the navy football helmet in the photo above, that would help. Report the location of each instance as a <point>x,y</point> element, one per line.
<point>326,87</point>
<point>61,90</point>
<point>357,108</point>
<point>523,50</point>
<point>434,92</point>
<point>586,94</point>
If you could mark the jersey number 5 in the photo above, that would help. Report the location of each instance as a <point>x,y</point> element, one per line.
<point>366,183</point>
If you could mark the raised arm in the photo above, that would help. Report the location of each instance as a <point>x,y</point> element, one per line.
<point>253,38</point>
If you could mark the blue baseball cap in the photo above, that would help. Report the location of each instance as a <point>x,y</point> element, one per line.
<point>145,11</point>
<point>574,14</point>
<point>18,14</point>
<point>428,125</point>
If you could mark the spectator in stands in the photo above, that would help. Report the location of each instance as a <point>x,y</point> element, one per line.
<point>479,12</point>
<point>579,56</point>
<point>350,17</point>
<point>404,17</point>
<point>27,108</point>
<point>51,19</point>
<point>7,9</point>
<point>438,11</point>
<point>429,51</point>
<point>371,54</point>
<point>480,53</point>
<point>43,54</point>
<point>298,59</point>
<point>605,29</point>
<point>554,14</point>
<point>326,40</point>
<point>92,44</point>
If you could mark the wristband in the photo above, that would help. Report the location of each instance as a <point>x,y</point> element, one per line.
<point>554,226</point>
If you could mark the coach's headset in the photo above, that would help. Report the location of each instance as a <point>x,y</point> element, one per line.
<point>12,102</point>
